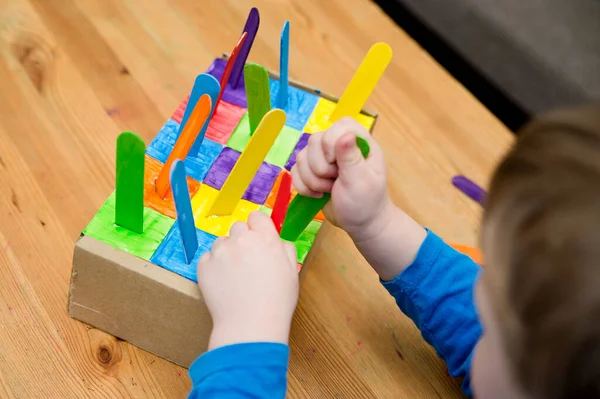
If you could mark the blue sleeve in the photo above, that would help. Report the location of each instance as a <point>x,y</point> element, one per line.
<point>436,292</point>
<point>249,370</point>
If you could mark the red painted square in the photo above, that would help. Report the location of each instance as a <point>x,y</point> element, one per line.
<point>221,125</point>
<point>224,122</point>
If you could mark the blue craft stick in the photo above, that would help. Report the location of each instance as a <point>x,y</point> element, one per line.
<point>204,84</point>
<point>284,57</point>
<point>183,207</point>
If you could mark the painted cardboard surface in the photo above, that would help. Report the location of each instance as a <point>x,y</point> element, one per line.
<point>150,297</point>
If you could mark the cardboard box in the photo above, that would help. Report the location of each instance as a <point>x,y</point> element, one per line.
<point>142,303</point>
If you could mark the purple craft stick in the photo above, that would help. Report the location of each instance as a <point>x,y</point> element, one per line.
<point>470,189</point>
<point>251,28</point>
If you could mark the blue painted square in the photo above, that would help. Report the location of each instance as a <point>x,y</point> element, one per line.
<point>195,166</point>
<point>169,255</point>
<point>300,104</point>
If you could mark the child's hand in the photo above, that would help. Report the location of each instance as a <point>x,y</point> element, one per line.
<point>332,162</point>
<point>249,281</point>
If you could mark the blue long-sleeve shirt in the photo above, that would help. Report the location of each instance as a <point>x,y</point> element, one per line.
<point>435,291</point>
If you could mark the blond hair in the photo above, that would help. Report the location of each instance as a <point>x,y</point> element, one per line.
<point>541,238</point>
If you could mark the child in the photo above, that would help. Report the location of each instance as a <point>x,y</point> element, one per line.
<point>538,299</point>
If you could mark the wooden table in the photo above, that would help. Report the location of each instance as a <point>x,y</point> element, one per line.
<point>75,73</point>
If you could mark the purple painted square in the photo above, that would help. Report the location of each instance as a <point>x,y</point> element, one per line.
<point>235,96</point>
<point>259,187</point>
<point>303,142</point>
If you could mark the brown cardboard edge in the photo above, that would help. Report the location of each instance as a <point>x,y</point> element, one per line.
<point>140,266</point>
<point>306,87</point>
<point>152,308</point>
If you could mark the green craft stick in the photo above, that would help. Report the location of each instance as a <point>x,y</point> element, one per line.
<point>303,209</point>
<point>258,93</point>
<point>129,203</point>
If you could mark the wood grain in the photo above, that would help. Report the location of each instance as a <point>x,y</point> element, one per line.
<point>76,73</point>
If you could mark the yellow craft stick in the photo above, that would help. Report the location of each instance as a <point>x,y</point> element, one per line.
<point>363,82</point>
<point>247,165</point>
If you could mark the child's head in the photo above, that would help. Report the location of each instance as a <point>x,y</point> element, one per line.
<point>539,296</point>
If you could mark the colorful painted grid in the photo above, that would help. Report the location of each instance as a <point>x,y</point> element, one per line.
<point>227,134</point>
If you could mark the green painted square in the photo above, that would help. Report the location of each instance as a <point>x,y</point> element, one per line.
<point>304,243</point>
<point>102,227</point>
<point>266,210</point>
<point>241,135</point>
<point>284,145</point>
<point>282,148</point>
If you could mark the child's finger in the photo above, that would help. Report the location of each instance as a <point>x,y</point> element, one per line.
<point>237,229</point>
<point>347,154</point>
<point>312,181</point>
<point>202,265</point>
<point>316,158</point>
<point>337,130</point>
<point>259,221</point>
<point>218,243</point>
<point>290,250</point>
<point>204,258</point>
<point>300,186</point>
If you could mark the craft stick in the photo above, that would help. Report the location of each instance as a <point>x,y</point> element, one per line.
<point>183,206</point>
<point>129,202</point>
<point>304,209</point>
<point>184,142</point>
<point>248,163</point>
<point>282,201</point>
<point>203,84</point>
<point>228,68</point>
<point>474,253</point>
<point>251,28</point>
<point>469,188</point>
<point>364,81</point>
<point>284,56</point>
<point>258,94</point>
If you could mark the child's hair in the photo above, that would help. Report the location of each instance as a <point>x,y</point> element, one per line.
<point>541,239</point>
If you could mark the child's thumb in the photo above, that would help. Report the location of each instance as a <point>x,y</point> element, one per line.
<point>347,154</point>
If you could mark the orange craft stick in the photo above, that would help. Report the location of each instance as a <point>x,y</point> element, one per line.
<point>472,252</point>
<point>183,144</point>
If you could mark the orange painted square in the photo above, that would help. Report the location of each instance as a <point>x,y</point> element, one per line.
<point>151,199</point>
<point>270,202</point>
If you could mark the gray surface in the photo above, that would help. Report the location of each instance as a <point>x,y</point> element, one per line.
<point>544,54</point>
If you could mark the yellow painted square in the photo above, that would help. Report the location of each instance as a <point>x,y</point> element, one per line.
<point>218,225</point>
<point>319,119</point>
